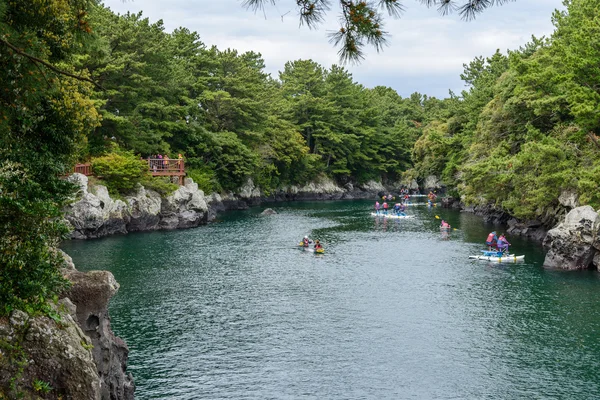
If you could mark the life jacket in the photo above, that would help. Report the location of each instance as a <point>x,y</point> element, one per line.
<point>490,238</point>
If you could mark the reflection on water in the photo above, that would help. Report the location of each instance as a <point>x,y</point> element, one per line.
<point>392,310</point>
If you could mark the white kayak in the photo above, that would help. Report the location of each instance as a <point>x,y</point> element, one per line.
<point>393,216</point>
<point>503,258</point>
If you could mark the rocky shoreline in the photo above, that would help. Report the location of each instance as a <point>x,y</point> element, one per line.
<point>95,214</point>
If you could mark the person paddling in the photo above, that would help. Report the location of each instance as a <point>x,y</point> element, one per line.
<point>502,243</point>
<point>318,245</point>
<point>306,241</point>
<point>491,240</point>
<point>377,207</point>
<point>385,207</point>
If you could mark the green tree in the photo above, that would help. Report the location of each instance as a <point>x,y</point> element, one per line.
<point>45,113</point>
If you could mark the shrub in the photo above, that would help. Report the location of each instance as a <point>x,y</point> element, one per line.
<point>120,170</point>
<point>205,178</point>
<point>160,184</point>
<point>31,231</point>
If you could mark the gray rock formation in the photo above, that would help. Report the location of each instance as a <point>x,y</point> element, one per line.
<point>573,244</point>
<point>432,182</point>
<point>96,214</point>
<point>268,211</point>
<point>185,208</point>
<point>52,352</point>
<point>90,294</point>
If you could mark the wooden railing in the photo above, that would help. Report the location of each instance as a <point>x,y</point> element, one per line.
<point>156,166</point>
<point>167,167</point>
<point>85,169</point>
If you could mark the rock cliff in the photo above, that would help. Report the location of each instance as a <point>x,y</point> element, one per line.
<point>95,214</point>
<point>574,243</point>
<point>73,355</point>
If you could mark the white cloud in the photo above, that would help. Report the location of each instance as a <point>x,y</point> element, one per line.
<point>425,49</point>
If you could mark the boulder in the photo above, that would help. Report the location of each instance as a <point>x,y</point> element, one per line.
<point>373,186</point>
<point>573,243</point>
<point>185,208</point>
<point>144,210</point>
<point>432,183</point>
<point>249,190</point>
<point>268,211</point>
<point>569,198</point>
<point>96,214</point>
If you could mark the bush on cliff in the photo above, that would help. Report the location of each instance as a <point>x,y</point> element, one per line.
<point>31,230</point>
<point>120,170</point>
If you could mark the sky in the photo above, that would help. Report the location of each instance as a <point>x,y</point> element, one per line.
<point>426,50</point>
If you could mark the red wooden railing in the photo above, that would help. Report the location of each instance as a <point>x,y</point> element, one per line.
<point>85,169</point>
<point>167,167</point>
<point>157,167</point>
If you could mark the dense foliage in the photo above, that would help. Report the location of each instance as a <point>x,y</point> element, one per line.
<point>526,130</point>
<point>45,113</point>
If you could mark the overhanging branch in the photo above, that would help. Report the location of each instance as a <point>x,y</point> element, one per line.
<point>48,65</point>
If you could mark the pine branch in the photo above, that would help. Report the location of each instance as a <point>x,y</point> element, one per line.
<point>38,61</point>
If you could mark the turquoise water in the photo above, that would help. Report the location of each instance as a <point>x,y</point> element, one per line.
<point>392,311</point>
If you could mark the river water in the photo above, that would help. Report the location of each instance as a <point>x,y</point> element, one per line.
<point>235,310</point>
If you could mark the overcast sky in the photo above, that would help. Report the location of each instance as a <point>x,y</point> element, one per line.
<point>426,51</point>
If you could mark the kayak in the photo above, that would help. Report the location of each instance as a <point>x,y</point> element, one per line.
<point>498,258</point>
<point>393,216</point>
<point>311,249</point>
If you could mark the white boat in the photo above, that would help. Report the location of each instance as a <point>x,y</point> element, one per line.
<point>390,215</point>
<point>501,259</point>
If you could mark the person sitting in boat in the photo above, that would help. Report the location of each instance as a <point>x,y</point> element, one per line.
<point>306,241</point>
<point>318,245</point>
<point>377,207</point>
<point>502,243</point>
<point>491,240</point>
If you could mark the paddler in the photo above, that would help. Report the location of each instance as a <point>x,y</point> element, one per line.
<point>318,245</point>
<point>306,241</point>
<point>502,243</point>
<point>491,240</point>
<point>377,207</point>
<point>385,207</point>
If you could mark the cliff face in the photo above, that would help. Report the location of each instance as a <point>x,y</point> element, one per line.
<point>74,355</point>
<point>574,243</point>
<point>96,214</point>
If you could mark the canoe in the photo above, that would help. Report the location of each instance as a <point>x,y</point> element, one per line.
<point>393,216</point>
<point>501,259</point>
